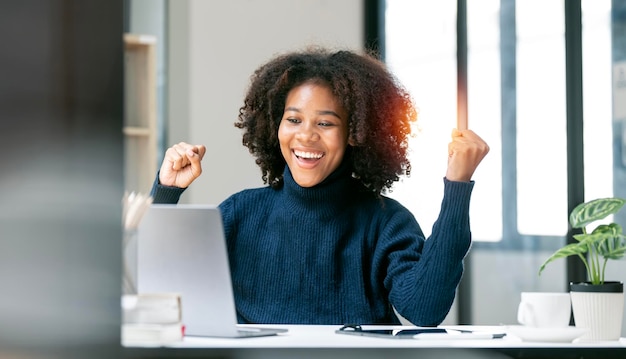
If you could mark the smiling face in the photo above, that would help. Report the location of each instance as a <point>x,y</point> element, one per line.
<point>313,133</point>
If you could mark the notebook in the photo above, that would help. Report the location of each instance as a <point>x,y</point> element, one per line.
<point>181,248</point>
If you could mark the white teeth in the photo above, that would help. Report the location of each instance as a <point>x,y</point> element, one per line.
<point>309,154</point>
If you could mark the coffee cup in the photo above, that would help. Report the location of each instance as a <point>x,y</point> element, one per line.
<point>544,309</point>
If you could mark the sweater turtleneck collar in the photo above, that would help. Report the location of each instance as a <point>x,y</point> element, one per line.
<point>332,191</point>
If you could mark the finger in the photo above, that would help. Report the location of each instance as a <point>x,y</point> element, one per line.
<point>178,161</point>
<point>170,158</point>
<point>181,148</point>
<point>195,162</point>
<point>458,133</point>
<point>178,155</point>
<point>457,140</point>
<point>200,150</point>
<point>469,146</point>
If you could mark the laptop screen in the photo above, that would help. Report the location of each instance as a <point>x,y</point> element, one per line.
<point>181,248</point>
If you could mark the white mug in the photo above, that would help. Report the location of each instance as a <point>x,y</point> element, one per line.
<point>544,309</point>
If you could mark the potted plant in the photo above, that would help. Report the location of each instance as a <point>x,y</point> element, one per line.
<point>597,304</point>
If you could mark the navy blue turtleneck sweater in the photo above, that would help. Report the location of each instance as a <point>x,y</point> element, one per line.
<point>336,254</point>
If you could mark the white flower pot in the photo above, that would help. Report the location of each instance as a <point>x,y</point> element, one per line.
<point>599,308</point>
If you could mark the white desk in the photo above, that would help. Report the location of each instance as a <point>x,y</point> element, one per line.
<point>311,341</point>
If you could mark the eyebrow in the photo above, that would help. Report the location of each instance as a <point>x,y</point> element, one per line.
<point>322,112</point>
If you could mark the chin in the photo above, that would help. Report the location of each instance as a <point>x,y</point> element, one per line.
<point>307,183</point>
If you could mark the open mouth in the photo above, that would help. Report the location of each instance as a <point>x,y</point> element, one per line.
<point>308,156</point>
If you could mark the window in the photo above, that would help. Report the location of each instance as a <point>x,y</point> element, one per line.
<point>516,102</point>
<point>516,62</point>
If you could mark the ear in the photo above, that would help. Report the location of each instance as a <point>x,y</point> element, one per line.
<point>351,141</point>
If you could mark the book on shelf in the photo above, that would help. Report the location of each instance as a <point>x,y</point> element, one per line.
<point>152,318</point>
<point>152,334</point>
<point>152,308</point>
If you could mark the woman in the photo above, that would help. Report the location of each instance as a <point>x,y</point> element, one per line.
<point>322,244</point>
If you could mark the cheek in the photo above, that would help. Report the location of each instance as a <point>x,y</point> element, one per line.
<point>339,141</point>
<point>283,139</point>
<point>282,135</point>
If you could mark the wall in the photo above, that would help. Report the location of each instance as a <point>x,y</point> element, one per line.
<point>214,46</point>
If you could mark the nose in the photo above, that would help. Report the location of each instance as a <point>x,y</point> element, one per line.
<point>308,132</point>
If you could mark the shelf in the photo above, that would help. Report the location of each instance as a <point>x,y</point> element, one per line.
<point>140,112</point>
<point>131,40</point>
<point>137,131</point>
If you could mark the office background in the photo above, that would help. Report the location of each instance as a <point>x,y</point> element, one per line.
<point>61,111</point>
<point>209,56</point>
<point>61,145</point>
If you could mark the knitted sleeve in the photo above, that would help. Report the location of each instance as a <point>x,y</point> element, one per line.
<point>165,194</point>
<point>422,275</point>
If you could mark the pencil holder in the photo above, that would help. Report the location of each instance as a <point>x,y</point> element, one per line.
<point>129,279</point>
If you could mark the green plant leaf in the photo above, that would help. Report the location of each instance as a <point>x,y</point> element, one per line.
<point>588,212</point>
<point>600,233</point>
<point>586,237</point>
<point>608,240</point>
<point>605,241</point>
<point>613,246</point>
<point>571,249</point>
<point>616,253</point>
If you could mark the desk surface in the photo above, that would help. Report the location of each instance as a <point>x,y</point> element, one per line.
<point>316,339</point>
<point>324,336</point>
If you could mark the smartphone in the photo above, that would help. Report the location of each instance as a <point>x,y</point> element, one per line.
<point>388,332</point>
<point>417,333</point>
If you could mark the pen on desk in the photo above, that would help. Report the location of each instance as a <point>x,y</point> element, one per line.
<point>459,334</point>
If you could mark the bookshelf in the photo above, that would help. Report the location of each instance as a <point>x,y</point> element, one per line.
<point>140,112</point>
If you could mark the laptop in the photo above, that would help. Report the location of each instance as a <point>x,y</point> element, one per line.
<point>182,249</point>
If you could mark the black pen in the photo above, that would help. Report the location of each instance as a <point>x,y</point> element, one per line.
<point>459,334</point>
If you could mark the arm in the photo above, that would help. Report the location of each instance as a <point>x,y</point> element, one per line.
<point>165,194</point>
<point>422,275</point>
<point>427,284</point>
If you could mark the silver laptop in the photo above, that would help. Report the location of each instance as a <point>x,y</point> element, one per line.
<point>181,248</point>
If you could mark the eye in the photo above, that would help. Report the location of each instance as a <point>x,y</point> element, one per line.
<point>292,120</point>
<point>327,122</point>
